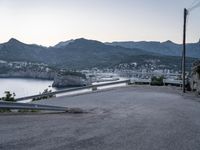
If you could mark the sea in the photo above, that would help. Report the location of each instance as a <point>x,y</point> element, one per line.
<point>24,87</point>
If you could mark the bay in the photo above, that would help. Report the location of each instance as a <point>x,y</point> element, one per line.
<point>24,87</point>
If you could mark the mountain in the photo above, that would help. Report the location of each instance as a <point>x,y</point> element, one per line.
<point>14,50</point>
<point>165,48</point>
<point>83,53</point>
<point>63,43</point>
<point>79,53</point>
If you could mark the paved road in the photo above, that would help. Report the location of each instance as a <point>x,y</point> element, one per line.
<point>131,118</point>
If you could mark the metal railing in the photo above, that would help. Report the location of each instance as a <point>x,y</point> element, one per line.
<point>72,90</point>
<point>175,82</point>
<point>165,81</point>
<point>25,106</point>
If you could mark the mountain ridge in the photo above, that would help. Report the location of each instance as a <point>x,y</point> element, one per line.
<point>84,54</point>
<point>168,48</point>
<point>81,53</point>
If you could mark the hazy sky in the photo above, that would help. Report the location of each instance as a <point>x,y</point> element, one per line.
<point>47,22</point>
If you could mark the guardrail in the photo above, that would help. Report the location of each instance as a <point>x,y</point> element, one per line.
<point>94,87</point>
<point>25,106</point>
<point>174,82</point>
<point>141,81</point>
<point>155,73</point>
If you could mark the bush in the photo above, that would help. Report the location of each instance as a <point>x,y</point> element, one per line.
<point>158,81</point>
<point>9,97</point>
<point>46,91</point>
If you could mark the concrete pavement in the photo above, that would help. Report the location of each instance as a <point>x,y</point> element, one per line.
<point>129,118</point>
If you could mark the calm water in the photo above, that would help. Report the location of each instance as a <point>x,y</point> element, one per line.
<point>24,87</point>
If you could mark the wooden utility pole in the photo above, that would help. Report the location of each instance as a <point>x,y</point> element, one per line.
<point>184,47</point>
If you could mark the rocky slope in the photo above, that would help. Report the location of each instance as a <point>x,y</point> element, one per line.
<point>69,80</point>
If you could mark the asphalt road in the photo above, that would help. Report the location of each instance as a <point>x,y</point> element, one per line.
<point>131,118</point>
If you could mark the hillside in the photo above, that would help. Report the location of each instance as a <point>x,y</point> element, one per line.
<point>80,53</point>
<point>165,48</point>
<point>86,54</point>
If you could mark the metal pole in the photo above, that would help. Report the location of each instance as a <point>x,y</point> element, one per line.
<point>184,47</point>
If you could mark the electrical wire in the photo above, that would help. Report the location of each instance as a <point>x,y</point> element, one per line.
<point>194,5</point>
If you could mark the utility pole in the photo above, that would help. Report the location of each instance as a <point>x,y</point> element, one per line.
<point>184,47</point>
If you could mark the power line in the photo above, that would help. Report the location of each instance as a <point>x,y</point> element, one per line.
<point>195,4</point>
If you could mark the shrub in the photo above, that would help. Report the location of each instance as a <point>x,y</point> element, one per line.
<point>46,91</point>
<point>157,81</point>
<point>9,97</point>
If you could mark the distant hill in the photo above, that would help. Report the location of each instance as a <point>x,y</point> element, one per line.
<point>79,53</point>
<point>165,48</point>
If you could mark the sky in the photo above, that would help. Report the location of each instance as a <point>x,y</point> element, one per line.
<point>47,22</point>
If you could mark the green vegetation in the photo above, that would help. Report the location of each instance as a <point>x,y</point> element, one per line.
<point>26,110</point>
<point>48,95</point>
<point>72,73</point>
<point>158,81</point>
<point>10,97</point>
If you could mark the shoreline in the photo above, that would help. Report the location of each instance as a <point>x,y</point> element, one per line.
<point>14,77</point>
